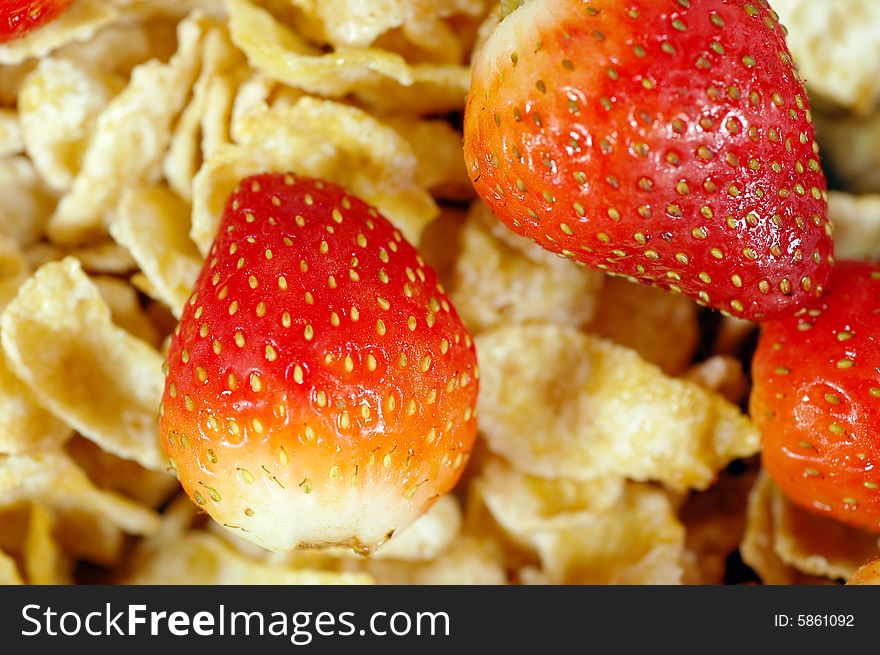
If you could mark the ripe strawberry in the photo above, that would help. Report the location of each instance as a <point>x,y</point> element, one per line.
<point>668,141</point>
<point>320,387</point>
<point>816,399</point>
<point>18,17</point>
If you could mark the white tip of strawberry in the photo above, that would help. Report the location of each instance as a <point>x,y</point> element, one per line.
<point>280,518</point>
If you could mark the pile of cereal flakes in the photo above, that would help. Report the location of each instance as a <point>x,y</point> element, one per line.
<point>125,124</point>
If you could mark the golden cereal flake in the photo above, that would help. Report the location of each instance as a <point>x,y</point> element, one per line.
<point>817,545</point>
<point>850,147</point>
<point>381,78</point>
<point>10,133</point>
<point>125,308</point>
<point>26,203</point>
<point>605,531</point>
<point>437,147</point>
<point>759,543</point>
<point>45,562</point>
<point>833,45</point>
<point>723,374</point>
<point>58,104</point>
<point>153,224</point>
<point>24,425</point>
<point>9,574</point>
<point>203,125</point>
<point>496,284</point>
<point>130,137</point>
<point>53,479</point>
<point>469,560</point>
<point>560,403</point>
<point>660,326</point>
<point>59,339</point>
<point>358,23</point>
<point>856,220</point>
<point>203,558</point>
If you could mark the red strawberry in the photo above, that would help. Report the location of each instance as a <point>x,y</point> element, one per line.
<point>816,399</point>
<point>668,141</point>
<point>18,17</point>
<point>320,388</point>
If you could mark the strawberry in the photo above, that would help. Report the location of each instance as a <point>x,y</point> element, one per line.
<point>18,17</point>
<point>816,399</point>
<point>320,388</point>
<point>669,142</point>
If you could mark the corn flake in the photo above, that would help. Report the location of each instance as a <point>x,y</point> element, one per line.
<point>758,546</point>
<point>59,339</point>
<point>153,224</point>
<point>469,560</point>
<point>125,308</point>
<point>11,79</point>
<point>348,146</point>
<point>24,425</point>
<point>817,545</point>
<point>438,32</point>
<point>856,221</point>
<point>9,574</point>
<point>428,536</point>
<point>203,125</point>
<point>380,78</point>
<point>203,558</point>
<point>127,42</point>
<point>722,374</point>
<point>58,104</point>
<point>641,543</point>
<point>437,147</point>
<point>82,533</point>
<point>833,45</point>
<point>660,326</point>
<point>850,149</point>
<point>44,561</point>
<point>559,403</point>
<point>170,9</point>
<point>604,531</point>
<point>13,270</point>
<point>10,133</point>
<point>130,137</point>
<point>523,504</point>
<point>357,24</point>
<point>498,284</point>
<point>53,479</point>
<point>109,472</point>
<point>103,257</point>
<point>25,202</point>
<point>715,522</point>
